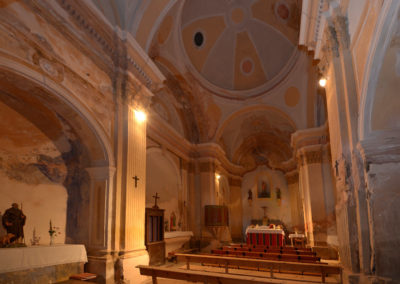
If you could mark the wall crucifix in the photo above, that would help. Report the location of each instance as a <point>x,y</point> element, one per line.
<point>155,200</point>
<point>136,180</point>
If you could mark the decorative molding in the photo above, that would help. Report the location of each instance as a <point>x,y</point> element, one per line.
<point>292,177</point>
<point>110,38</point>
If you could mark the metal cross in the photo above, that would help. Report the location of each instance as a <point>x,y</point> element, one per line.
<point>136,180</point>
<point>155,200</point>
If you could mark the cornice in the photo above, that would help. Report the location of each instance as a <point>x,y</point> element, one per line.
<point>310,136</point>
<point>163,133</point>
<point>82,23</point>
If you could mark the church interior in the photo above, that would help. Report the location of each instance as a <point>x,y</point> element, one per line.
<point>258,136</point>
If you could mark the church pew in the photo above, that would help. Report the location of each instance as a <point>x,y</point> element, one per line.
<point>200,276</point>
<point>269,250</point>
<point>269,265</point>
<point>269,247</point>
<point>268,255</point>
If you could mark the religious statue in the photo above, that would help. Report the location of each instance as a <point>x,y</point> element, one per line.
<point>250,197</point>
<point>13,221</point>
<point>264,191</point>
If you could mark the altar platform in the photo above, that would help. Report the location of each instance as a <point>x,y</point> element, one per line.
<point>41,264</point>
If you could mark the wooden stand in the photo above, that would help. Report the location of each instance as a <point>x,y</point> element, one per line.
<point>154,235</point>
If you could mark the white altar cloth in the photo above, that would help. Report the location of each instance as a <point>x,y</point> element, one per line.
<point>264,230</point>
<point>16,259</point>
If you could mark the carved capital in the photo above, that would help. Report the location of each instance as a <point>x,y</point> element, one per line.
<point>137,96</point>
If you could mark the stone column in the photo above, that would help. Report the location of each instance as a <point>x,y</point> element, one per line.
<point>236,212</point>
<point>133,196</point>
<point>296,202</point>
<point>206,186</point>
<point>101,222</point>
<point>184,165</point>
<point>316,186</point>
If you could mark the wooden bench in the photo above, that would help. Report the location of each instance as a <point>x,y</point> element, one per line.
<point>270,250</point>
<point>269,265</point>
<point>201,276</point>
<point>271,256</point>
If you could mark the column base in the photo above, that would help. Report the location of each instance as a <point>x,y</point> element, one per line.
<point>128,262</point>
<point>103,266</point>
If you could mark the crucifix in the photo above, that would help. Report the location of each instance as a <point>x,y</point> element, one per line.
<point>155,200</point>
<point>136,180</point>
<point>265,219</point>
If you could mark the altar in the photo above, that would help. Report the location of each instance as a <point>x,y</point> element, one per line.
<point>263,235</point>
<point>47,263</point>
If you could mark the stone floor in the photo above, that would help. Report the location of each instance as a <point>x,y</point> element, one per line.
<point>282,277</point>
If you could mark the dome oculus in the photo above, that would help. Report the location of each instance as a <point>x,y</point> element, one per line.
<point>198,39</point>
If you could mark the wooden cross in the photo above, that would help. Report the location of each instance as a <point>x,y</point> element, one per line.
<point>265,209</point>
<point>136,180</point>
<point>155,200</point>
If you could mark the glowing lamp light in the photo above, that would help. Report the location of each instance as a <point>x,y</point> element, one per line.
<point>140,115</point>
<point>322,82</point>
<point>218,176</point>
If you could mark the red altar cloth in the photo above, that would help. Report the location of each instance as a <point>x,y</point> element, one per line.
<point>265,236</point>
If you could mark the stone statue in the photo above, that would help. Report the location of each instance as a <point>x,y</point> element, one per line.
<point>13,221</point>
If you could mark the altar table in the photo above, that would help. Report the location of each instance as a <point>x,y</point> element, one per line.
<point>265,236</point>
<point>48,263</point>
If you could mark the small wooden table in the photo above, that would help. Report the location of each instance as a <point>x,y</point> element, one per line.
<point>298,238</point>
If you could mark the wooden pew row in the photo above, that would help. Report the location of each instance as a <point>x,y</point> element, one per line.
<point>271,256</point>
<point>201,276</point>
<point>270,247</point>
<point>269,265</point>
<point>281,251</point>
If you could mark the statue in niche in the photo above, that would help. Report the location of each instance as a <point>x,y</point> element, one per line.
<point>172,222</point>
<point>13,221</point>
<point>278,193</point>
<point>250,197</point>
<point>263,190</point>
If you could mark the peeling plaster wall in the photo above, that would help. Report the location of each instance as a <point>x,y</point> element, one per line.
<point>32,174</point>
<point>277,209</point>
<point>383,185</point>
<point>34,43</point>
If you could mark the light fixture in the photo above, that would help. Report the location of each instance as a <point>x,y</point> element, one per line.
<point>322,82</point>
<point>217,176</point>
<point>140,115</point>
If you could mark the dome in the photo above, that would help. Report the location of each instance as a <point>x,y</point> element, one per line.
<point>240,47</point>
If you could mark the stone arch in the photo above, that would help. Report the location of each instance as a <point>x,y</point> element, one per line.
<point>81,142</point>
<point>385,28</point>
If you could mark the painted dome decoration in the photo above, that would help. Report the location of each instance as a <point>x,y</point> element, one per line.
<point>240,47</point>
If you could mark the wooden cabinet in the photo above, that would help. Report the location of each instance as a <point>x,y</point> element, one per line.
<point>154,235</point>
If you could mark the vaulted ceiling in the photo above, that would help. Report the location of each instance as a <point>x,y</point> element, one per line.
<point>226,64</point>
